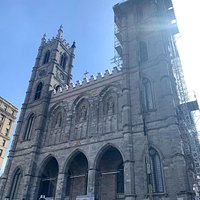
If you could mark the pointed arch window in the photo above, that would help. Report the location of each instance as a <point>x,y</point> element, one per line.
<point>147,95</point>
<point>143,51</point>
<point>156,171</point>
<point>29,126</point>
<point>15,184</point>
<point>63,60</point>
<point>38,91</point>
<point>46,57</point>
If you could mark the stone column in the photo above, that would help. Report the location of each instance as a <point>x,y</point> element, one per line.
<point>91,182</point>
<point>128,180</point>
<point>60,187</point>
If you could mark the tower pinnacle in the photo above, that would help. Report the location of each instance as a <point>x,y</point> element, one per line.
<point>43,40</point>
<point>60,31</point>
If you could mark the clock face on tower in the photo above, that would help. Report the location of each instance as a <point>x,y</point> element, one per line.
<point>60,76</point>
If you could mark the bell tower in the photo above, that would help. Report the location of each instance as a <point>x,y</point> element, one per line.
<point>52,70</point>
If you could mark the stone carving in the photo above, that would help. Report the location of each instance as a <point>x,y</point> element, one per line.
<point>80,124</point>
<point>109,112</point>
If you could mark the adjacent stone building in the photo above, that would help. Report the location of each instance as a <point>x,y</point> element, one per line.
<point>8,114</point>
<point>115,136</point>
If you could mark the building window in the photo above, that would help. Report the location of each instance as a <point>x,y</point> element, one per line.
<point>29,127</point>
<point>46,57</point>
<point>143,51</point>
<point>147,95</point>
<point>1,152</point>
<point>5,107</point>
<point>38,91</point>
<point>15,185</point>
<point>63,60</point>
<point>2,117</point>
<point>7,132</point>
<point>12,112</point>
<point>9,122</point>
<point>3,142</point>
<point>156,171</point>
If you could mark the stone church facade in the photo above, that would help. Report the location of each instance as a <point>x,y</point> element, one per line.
<point>112,137</point>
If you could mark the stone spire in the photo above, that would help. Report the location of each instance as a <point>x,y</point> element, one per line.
<point>60,31</point>
<point>73,45</point>
<point>43,40</point>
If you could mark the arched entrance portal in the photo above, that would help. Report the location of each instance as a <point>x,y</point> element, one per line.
<point>49,177</point>
<point>77,177</point>
<point>110,175</point>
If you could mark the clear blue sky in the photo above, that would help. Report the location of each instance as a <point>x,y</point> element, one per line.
<point>90,23</point>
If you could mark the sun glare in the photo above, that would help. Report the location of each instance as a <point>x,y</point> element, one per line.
<point>188,42</point>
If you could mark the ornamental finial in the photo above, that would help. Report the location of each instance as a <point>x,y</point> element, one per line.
<point>43,40</point>
<point>60,31</point>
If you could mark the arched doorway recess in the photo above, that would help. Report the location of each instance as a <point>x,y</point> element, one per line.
<point>77,173</point>
<point>110,175</point>
<point>49,176</point>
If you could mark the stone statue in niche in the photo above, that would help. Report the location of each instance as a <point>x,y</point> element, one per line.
<point>110,106</point>
<point>110,118</point>
<point>80,129</point>
<point>83,114</point>
<point>58,121</point>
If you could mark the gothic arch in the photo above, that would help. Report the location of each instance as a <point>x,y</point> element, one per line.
<point>156,171</point>
<point>38,90</point>
<point>109,115</point>
<point>76,170</point>
<point>109,92</point>
<point>15,183</point>
<point>103,150</point>
<point>109,166</point>
<point>112,88</point>
<point>29,126</point>
<point>72,156</point>
<point>56,116</point>
<point>156,167</point>
<point>48,175</point>
<point>147,97</point>
<point>162,157</point>
<point>63,60</point>
<point>77,101</point>
<point>44,162</point>
<point>57,105</point>
<point>81,110</point>
<point>46,57</point>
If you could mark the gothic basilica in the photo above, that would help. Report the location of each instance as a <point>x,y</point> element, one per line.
<point>117,136</point>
